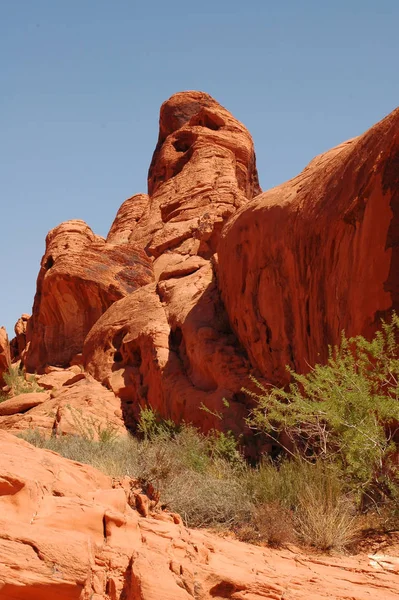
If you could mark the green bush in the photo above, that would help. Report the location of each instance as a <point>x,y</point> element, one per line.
<point>19,383</point>
<point>343,412</point>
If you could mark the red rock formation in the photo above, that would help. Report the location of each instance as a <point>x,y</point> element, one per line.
<point>316,255</point>
<point>170,344</point>
<point>5,356</point>
<point>80,277</point>
<point>78,405</point>
<point>173,351</point>
<point>18,343</point>
<point>67,532</point>
<point>202,170</point>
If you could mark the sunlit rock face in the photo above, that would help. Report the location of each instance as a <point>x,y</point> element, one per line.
<point>316,255</point>
<point>81,275</point>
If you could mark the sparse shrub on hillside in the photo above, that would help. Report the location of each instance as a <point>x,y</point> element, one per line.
<point>151,424</point>
<point>340,419</point>
<point>263,504</point>
<point>19,383</point>
<point>92,429</point>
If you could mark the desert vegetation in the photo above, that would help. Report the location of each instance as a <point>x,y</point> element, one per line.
<point>336,431</point>
<point>17,382</point>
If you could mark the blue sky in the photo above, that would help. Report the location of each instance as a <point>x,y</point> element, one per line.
<point>81,83</point>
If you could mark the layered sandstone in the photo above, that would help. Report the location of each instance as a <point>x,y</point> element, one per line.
<point>316,255</point>
<point>169,344</point>
<point>69,532</point>
<point>5,355</point>
<point>18,343</point>
<point>75,404</point>
<point>80,277</point>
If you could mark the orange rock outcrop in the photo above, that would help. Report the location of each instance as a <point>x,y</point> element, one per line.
<point>200,282</point>
<point>5,355</point>
<point>69,532</point>
<point>143,306</point>
<point>80,277</point>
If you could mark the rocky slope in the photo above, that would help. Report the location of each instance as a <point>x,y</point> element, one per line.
<point>71,533</point>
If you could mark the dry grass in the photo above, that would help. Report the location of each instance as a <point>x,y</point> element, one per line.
<point>273,504</point>
<point>325,521</point>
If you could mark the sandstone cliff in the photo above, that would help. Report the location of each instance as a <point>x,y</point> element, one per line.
<point>316,255</point>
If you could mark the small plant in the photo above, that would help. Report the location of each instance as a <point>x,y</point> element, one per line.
<point>151,424</point>
<point>325,521</point>
<point>224,445</point>
<point>91,428</point>
<point>20,383</point>
<point>274,524</point>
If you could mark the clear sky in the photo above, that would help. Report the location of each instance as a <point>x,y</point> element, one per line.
<point>81,83</point>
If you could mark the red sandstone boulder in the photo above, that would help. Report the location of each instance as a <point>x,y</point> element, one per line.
<point>316,255</point>
<point>22,403</point>
<point>68,532</point>
<point>81,406</point>
<point>5,356</point>
<point>80,277</point>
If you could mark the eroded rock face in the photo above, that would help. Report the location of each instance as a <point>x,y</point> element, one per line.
<point>76,405</point>
<point>202,170</point>
<point>169,344</point>
<point>80,277</point>
<point>5,356</point>
<point>316,255</point>
<point>177,354</point>
<point>18,343</point>
<point>68,532</point>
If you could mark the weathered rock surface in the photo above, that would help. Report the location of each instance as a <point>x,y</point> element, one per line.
<point>68,532</point>
<point>173,351</point>
<point>5,356</point>
<point>22,403</point>
<point>81,406</point>
<point>169,344</point>
<point>18,343</point>
<point>316,255</point>
<point>202,170</point>
<point>80,277</point>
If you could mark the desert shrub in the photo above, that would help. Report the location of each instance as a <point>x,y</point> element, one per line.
<point>205,491</point>
<point>209,499</point>
<point>116,459</point>
<point>224,445</point>
<point>19,383</point>
<point>310,498</point>
<point>344,412</point>
<point>90,428</point>
<point>274,524</point>
<point>325,519</point>
<point>272,503</point>
<point>151,424</point>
